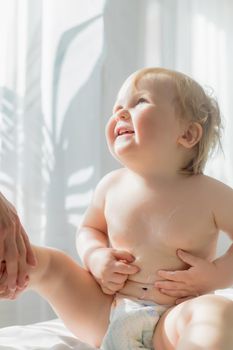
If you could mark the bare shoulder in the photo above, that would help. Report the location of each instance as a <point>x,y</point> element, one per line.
<point>216,187</point>
<point>95,213</point>
<point>220,199</point>
<point>210,190</point>
<point>107,182</point>
<point>111,179</point>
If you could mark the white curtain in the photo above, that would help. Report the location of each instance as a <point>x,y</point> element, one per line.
<point>61,63</point>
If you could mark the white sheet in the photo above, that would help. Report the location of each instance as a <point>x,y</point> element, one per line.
<point>40,336</point>
<point>50,335</point>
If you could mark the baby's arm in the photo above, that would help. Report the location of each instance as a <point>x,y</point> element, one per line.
<point>205,276</point>
<point>223,206</point>
<point>110,267</point>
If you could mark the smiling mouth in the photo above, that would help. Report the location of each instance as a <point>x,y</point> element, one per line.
<point>126,132</point>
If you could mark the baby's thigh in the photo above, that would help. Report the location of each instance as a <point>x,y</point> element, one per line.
<point>76,297</point>
<point>172,325</point>
<point>164,336</point>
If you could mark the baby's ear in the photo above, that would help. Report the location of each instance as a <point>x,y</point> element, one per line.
<point>191,135</point>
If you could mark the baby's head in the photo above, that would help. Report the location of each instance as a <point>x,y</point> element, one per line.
<point>193,104</point>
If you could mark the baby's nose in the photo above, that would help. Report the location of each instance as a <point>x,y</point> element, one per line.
<point>123,114</point>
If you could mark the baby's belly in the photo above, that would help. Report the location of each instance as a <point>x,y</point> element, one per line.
<point>141,285</point>
<point>146,292</point>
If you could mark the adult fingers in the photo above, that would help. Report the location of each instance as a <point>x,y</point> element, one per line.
<point>8,214</point>
<point>2,239</point>
<point>21,247</point>
<point>2,268</point>
<point>4,293</point>
<point>7,294</point>
<point>31,258</point>
<point>22,264</point>
<point>14,295</point>
<point>3,279</point>
<point>11,257</point>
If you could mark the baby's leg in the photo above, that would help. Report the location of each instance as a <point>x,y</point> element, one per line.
<point>73,293</point>
<point>203,323</point>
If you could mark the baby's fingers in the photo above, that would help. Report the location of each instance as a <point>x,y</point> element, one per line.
<point>123,255</point>
<point>111,288</point>
<point>115,286</point>
<point>126,269</point>
<point>174,293</point>
<point>170,285</point>
<point>107,291</point>
<point>176,276</point>
<point>118,278</point>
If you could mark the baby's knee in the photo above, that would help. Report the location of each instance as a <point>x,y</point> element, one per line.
<point>208,323</point>
<point>212,302</point>
<point>216,309</point>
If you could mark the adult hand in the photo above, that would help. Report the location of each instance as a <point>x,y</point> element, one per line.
<point>5,293</point>
<point>16,255</point>
<point>111,268</point>
<point>200,278</point>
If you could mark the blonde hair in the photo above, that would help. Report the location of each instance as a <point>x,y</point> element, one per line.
<point>194,103</point>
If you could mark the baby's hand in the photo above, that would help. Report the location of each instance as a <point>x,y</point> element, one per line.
<point>200,278</point>
<point>111,268</point>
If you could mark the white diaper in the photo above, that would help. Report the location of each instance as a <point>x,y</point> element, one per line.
<point>132,324</point>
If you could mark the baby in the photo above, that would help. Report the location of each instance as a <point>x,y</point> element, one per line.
<point>149,235</point>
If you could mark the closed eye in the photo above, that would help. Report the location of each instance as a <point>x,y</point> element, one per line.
<point>142,100</point>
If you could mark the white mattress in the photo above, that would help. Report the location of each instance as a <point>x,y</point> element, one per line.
<point>50,335</point>
<point>40,336</point>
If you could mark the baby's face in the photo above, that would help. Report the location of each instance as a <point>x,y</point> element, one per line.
<point>144,125</point>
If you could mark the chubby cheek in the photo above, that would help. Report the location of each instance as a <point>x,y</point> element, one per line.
<point>144,129</point>
<point>109,132</point>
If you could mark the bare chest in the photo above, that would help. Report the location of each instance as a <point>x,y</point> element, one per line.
<point>138,220</point>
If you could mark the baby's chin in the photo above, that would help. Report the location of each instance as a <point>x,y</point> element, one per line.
<point>123,145</point>
<point>121,155</point>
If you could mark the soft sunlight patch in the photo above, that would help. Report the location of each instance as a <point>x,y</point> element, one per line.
<point>81,176</point>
